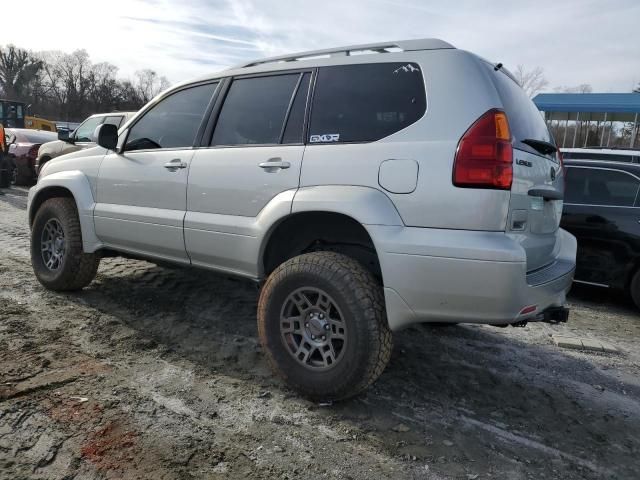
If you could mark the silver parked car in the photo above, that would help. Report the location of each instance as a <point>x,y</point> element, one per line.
<point>80,139</point>
<point>365,193</point>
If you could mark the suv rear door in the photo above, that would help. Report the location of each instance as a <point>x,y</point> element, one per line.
<point>538,180</point>
<point>252,151</point>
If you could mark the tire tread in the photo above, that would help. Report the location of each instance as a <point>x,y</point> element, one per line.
<point>342,270</point>
<point>83,266</point>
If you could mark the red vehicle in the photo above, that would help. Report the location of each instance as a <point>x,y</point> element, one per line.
<point>22,149</point>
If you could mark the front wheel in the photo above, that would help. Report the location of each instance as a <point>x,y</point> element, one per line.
<point>322,322</point>
<point>56,247</point>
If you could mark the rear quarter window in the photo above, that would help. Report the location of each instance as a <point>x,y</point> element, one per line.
<point>364,103</point>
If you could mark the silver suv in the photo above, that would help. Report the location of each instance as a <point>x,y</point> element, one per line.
<point>365,189</point>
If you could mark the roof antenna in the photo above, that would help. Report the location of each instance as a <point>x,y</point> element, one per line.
<point>497,66</point>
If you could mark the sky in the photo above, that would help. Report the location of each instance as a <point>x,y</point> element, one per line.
<point>574,41</point>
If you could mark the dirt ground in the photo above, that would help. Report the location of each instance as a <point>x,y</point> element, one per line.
<point>157,373</point>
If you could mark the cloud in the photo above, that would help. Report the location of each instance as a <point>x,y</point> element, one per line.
<point>575,41</point>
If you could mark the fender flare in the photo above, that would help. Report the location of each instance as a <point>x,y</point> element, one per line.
<point>366,205</point>
<point>78,185</point>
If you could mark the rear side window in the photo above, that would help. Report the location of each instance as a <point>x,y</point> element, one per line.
<point>254,110</point>
<point>172,123</point>
<point>597,156</point>
<point>591,186</point>
<point>294,131</point>
<point>525,120</point>
<point>364,103</point>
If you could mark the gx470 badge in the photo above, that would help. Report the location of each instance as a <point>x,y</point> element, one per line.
<point>327,137</point>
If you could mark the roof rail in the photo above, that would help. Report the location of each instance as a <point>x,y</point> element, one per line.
<point>403,45</point>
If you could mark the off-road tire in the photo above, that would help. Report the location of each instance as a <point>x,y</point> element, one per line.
<point>358,295</point>
<point>78,269</point>
<point>634,289</point>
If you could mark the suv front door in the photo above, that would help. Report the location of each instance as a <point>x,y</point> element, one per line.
<point>254,154</point>
<point>141,192</point>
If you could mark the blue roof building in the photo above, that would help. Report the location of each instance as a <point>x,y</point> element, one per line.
<point>579,111</point>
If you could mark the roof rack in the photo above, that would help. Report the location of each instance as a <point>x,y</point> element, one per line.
<point>386,47</point>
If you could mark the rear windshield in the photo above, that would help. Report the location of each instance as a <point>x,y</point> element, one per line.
<point>525,120</point>
<point>35,136</point>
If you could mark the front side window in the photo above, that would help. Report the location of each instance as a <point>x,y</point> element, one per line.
<point>364,103</point>
<point>85,131</point>
<point>172,123</point>
<point>254,110</point>
<point>592,186</point>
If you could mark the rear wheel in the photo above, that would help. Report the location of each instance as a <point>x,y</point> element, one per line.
<point>56,247</point>
<point>322,322</point>
<point>5,172</point>
<point>19,179</point>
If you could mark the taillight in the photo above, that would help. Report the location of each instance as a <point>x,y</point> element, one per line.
<point>33,152</point>
<point>560,158</point>
<point>484,158</point>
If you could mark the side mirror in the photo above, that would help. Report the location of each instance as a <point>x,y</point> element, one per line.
<point>107,136</point>
<point>64,136</point>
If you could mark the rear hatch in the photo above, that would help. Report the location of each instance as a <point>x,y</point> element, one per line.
<point>535,207</point>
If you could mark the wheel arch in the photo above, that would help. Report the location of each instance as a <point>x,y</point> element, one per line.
<point>309,231</point>
<point>70,184</point>
<point>332,218</point>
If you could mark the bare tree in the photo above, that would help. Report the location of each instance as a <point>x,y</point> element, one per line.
<point>531,81</point>
<point>69,86</point>
<point>18,70</point>
<point>148,84</point>
<point>582,88</point>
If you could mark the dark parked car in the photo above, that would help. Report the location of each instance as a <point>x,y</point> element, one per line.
<point>602,209</point>
<point>23,145</point>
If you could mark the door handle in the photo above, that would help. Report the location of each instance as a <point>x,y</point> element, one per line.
<point>274,164</point>
<point>175,164</point>
<point>547,194</point>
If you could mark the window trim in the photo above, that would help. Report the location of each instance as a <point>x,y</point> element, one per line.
<point>143,112</point>
<point>290,106</point>
<point>635,201</point>
<point>359,142</point>
<point>228,81</point>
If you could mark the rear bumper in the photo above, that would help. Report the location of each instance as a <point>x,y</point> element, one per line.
<point>465,276</point>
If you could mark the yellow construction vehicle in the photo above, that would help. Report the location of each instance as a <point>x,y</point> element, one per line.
<point>37,123</point>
